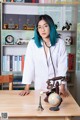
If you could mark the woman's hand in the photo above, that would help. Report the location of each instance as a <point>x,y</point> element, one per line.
<point>63,90</point>
<point>24,92</point>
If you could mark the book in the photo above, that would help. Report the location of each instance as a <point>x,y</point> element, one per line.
<point>29,1</point>
<point>41,1</point>
<point>15,63</point>
<point>71,61</point>
<point>19,63</point>
<point>11,62</point>
<point>22,62</point>
<point>8,63</point>
<point>4,67</point>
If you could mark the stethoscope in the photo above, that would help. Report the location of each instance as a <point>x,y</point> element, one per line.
<point>49,46</point>
<point>51,86</point>
<point>55,78</point>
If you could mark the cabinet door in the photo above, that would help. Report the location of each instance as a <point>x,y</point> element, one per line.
<point>78,58</point>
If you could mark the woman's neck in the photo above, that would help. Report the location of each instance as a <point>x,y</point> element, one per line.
<point>46,40</point>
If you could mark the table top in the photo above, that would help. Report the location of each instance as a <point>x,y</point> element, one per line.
<point>22,106</point>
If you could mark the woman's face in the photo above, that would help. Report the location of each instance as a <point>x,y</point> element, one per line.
<point>43,29</point>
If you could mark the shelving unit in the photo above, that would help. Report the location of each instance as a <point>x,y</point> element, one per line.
<point>78,58</point>
<point>60,12</point>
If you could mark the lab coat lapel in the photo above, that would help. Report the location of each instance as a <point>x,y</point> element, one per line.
<point>44,58</point>
<point>52,50</point>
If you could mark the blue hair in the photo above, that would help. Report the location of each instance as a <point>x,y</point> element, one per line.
<point>53,33</point>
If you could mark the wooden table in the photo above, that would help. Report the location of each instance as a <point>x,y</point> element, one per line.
<point>25,107</point>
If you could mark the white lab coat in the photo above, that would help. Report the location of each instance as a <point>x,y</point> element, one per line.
<point>35,67</point>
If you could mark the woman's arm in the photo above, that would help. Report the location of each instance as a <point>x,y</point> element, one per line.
<point>62,67</point>
<point>28,72</point>
<point>63,90</point>
<point>26,91</point>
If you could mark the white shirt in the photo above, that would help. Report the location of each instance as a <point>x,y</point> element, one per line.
<point>36,68</point>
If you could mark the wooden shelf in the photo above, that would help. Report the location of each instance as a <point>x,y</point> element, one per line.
<point>15,45</point>
<point>70,85</point>
<point>71,70</point>
<point>42,4</point>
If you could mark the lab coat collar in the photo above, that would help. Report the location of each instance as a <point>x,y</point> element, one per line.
<point>51,48</point>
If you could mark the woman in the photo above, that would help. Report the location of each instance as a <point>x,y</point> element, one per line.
<point>46,57</point>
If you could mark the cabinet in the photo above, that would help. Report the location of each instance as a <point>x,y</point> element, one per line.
<point>78,58</point>
<point>18,20</point>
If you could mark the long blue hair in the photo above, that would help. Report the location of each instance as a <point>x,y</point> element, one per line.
<point>53,33</point>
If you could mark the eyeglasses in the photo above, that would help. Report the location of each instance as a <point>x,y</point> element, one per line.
<point>44,27</point>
